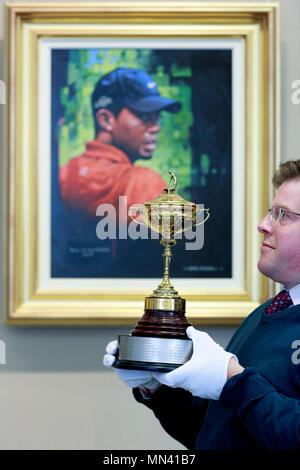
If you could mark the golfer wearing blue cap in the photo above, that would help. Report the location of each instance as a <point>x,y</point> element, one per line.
<point>126,107</point>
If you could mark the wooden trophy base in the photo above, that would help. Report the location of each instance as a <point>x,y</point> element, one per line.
<point>158,342</point>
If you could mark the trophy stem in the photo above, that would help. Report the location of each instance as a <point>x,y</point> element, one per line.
<point>165,288</point>
<point>167,255</point>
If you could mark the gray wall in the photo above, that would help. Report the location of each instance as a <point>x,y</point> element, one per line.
<point>54,391</point>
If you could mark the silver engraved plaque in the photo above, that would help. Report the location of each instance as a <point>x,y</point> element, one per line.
<point>152,353</point>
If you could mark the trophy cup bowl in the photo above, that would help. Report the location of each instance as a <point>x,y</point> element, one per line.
<point>158,341</point>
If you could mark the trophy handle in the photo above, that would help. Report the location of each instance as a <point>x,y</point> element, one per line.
<point>183,229</point>
<point>207,216</point>
<point>133,212</point>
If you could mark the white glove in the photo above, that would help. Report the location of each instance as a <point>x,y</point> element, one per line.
<point>131,378</point>
<point>205,374</point>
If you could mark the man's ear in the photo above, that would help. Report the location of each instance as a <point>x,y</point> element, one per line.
<point>105,119</point>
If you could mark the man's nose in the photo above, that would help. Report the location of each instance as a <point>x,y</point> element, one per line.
<point>265,225</point>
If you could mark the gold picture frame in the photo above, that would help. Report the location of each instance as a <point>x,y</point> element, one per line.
<point>253,26</point>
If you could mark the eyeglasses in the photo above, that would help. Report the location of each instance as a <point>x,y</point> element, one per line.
<point>283,216</point>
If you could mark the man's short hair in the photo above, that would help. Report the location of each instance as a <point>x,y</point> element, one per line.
<point>286,171</point>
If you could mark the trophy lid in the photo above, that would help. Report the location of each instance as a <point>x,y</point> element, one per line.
<point>169,197</point>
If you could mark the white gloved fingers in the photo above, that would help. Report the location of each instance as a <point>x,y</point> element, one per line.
<point>151,384</point>
<point>190,331</point>
<point>171,379</point>
<point>112,347</point>
<point>201,340</point>
<point>162,377</point>
<point>137,378</point>
<point>194,334</point>
<point>109,360</point>
<point>143,375</point>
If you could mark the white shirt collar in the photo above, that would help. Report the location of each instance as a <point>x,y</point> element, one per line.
<point>295,294</point>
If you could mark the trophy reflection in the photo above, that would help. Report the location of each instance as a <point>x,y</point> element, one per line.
<point>159,341</point>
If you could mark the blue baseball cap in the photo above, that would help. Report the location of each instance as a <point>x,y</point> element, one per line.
<point>133,89</point>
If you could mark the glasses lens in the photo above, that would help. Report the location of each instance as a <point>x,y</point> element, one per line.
<point>275,214</point>
<point>281,215</point>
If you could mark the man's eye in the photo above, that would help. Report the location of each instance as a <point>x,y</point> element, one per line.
<point>148,117</point>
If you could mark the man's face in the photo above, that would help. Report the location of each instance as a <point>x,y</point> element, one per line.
<point>136,134</point>
<point>280,251</point>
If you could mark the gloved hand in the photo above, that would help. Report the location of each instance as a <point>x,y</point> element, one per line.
<point>205,374</point>
<point>131,378</point>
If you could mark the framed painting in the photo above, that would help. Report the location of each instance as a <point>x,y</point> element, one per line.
<point>203,81</point>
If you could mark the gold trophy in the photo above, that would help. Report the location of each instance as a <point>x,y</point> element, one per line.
<point>159,341</point>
